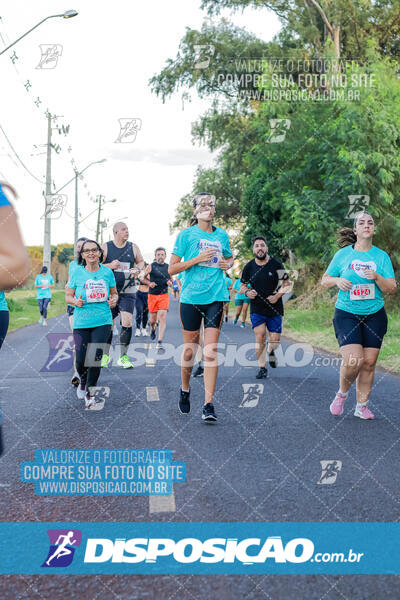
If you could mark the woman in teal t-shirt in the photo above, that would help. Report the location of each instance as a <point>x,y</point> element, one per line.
<point>203,253</point>
<point>363,273</point>
<point>43,282</point>
<point>92,290</point>
<point>4,318</point>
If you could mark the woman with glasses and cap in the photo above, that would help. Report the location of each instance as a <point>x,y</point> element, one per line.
<point>43,283</point>
<point>363,273</point>
<point>203,253</point>
<point>92,291</point>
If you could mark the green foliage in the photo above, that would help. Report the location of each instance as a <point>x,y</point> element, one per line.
<point>298,189</point>
<point>65,255</point>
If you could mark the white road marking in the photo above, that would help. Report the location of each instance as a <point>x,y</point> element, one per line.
<point>152,394</point>
<point>159,504</point>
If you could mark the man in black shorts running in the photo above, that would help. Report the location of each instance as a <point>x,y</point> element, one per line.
<point>121,255</point>
<point>264,281</point>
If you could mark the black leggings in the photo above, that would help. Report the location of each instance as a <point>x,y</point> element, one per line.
<point>142,312</point>
<point>4,321</point>
<point>43,304</point>
<point>89,373</point>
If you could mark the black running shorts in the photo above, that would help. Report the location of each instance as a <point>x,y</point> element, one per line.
<point>366,330</point>
<point>192,315</point>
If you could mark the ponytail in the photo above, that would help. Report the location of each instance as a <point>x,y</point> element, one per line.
<point>193,221</point>
<point>346,237</point>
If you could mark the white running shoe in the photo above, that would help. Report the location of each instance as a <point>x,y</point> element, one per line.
<point>80,393</point>
<point>137,332</point>
<point>44,324</point>
<point>40,320</point>
<point>89,401</point>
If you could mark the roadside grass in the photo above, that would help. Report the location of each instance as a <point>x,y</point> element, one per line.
<point>24,308</point>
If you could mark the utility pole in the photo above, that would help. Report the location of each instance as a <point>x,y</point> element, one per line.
<point>99,199</point>
<point>47,214</point>
<point>76,223</point>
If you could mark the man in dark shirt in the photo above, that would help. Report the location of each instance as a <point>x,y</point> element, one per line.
<point>264,280</point>
<point>158,299</point>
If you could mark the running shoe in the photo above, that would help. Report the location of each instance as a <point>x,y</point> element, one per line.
<point>89,401</point>
<point>159,345</point>
<point>44,323</point>
<point>199,372</point>
<point>105,360</point>
<point>153,334</point>
<point>208,413</point>
<point>243,325</point>
<point>138,332</point>
<point>226,319</point>
<point>235,320</point>
<point>41,320</point>
<point>262,373</point>
<point>272,360</point>
<point>336,406</point>
<point>363,412</point>
<point>184,402</point>
<point>125,362</point>
<point>75,381</point>
<point>145,332</point>
<point>81,393</point>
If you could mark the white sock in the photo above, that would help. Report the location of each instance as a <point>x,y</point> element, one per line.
<point>360,404</point>
<point>343,393</point>
<point>185,390</point>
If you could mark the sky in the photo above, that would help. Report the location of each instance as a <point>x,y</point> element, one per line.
<point>107,55</point>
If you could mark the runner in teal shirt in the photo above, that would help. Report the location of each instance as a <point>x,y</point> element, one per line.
<point>43,294</point>
<point>351,265</point>
<point>202,252</point>
<point>362,272</point>
<point>94,289</point>
<point>203,283</point>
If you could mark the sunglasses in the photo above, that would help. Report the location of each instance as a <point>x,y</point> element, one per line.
<point>90,251</point>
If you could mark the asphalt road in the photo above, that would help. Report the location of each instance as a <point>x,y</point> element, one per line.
<point>260,462</point>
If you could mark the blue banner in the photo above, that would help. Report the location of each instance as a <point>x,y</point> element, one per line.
<point>199,548</point>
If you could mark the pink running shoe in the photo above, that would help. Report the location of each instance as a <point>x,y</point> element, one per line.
<point>336,406</point>
<point>363,412</point>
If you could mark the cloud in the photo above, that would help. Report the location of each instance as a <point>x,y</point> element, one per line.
<point>169,157</point>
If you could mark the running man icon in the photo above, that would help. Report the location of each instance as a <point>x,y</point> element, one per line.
<point>64,347</point>
<point>61,550</point>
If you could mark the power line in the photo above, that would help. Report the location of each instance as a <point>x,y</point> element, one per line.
<point>16,154</point>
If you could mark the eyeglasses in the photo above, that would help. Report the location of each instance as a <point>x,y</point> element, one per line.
<point>209,203</point>
<point>90,251</point>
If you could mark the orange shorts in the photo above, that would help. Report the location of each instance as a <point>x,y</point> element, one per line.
<point>157,302</point>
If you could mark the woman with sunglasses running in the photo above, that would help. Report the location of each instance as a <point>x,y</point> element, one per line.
<point>362,272</point>
<point>203,253</point>
<point>92,290</point>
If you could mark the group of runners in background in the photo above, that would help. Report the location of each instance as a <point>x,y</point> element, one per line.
<point>113,279</point>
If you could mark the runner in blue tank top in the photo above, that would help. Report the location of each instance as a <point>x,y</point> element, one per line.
<point>203,253</point>
<point>363,273</point>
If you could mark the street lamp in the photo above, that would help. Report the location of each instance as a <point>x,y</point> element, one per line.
<point>68,14</point>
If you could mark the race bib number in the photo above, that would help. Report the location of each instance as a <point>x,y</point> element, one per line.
<point>45,282</point>
<point>123,267</point>
<point>96,291</point>
<point>207,245</point>
<point>363,291</point>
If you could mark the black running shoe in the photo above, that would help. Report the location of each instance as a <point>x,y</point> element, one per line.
<point>262,373</point>
<point>273,362</point>
<point>184,402</point>
<point>208,413</point>
<point>199,371</point>
<point>153,334</point>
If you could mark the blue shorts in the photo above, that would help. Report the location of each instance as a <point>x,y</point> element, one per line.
<point>366,330</point>
<point>274,324</point>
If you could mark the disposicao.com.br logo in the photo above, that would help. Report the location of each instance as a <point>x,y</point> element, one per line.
<point>213,550</point>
